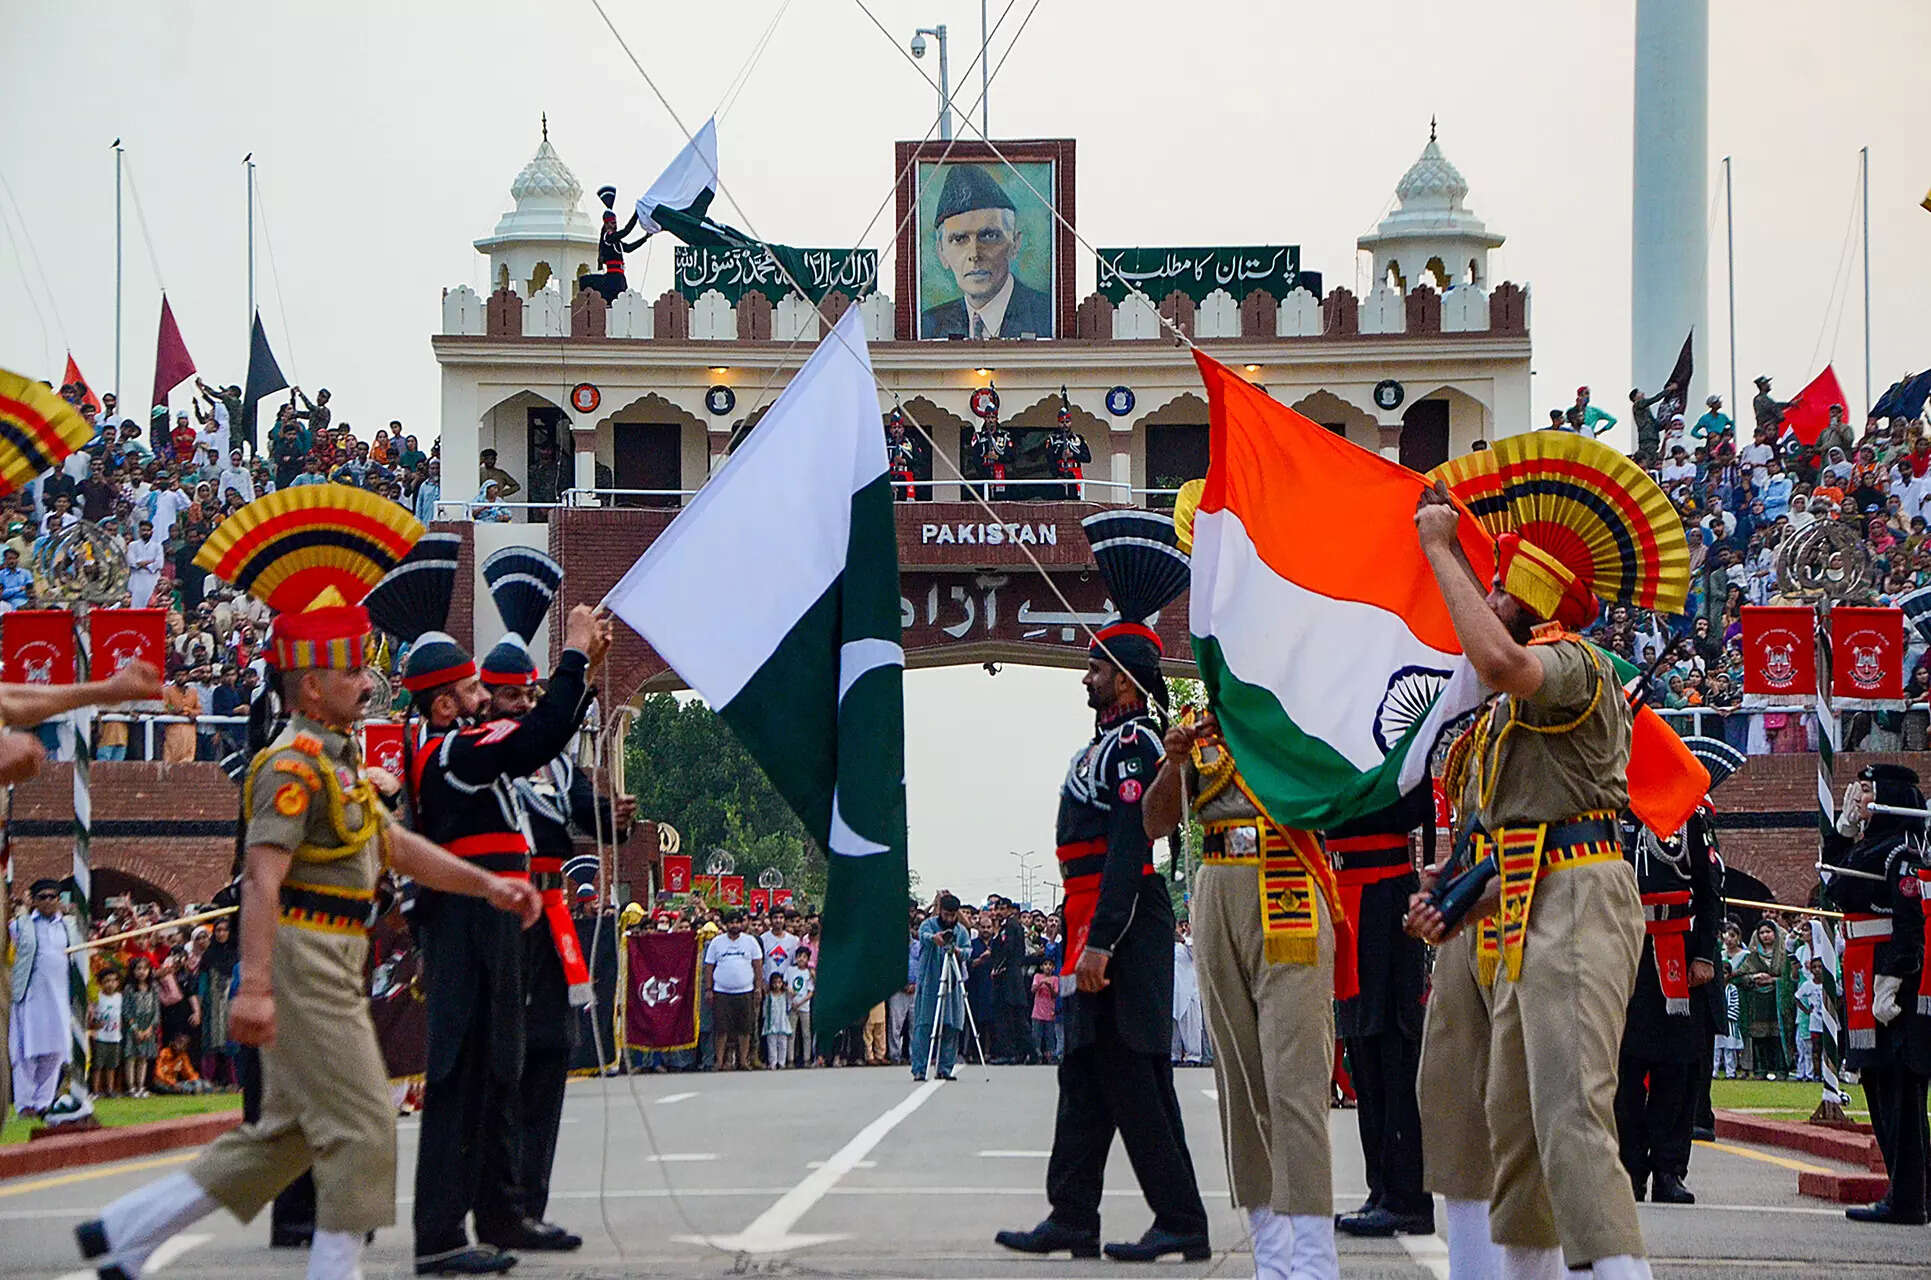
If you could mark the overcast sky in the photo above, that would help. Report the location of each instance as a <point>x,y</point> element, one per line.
<point>387,136</point>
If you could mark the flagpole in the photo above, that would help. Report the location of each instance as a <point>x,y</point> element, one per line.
<point>117,269</point>
<point>249,162</point>
<point>1730,273</point>
<point>1864,168</point>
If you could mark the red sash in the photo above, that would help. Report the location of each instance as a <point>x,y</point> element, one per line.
<point>1351,880</point>
<point>548,875</point>
<point>1862,934</point>
<point>1082,865</point>
<point>1666,933</point>
<point>998,471</point>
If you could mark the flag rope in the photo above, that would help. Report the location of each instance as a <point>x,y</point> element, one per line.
<point>140,216</point>
<point>275,272</point>
<point>27,237</point>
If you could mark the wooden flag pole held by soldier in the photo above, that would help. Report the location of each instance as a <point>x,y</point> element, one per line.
<point>197,918</point>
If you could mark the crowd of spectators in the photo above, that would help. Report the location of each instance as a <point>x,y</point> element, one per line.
<point>1776,995</point>
<point>1740,502</point>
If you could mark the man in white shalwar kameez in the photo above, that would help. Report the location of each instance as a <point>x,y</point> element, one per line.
<point>40,1037</point>
<point>1186,999</point>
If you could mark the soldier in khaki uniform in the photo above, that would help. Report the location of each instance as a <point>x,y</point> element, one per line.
<point>1538,781</point>
<point>1263,914</point>
<point>317,839</point>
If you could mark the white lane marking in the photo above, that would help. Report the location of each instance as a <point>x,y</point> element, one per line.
<point>669,1098</point>
<point>770,1231</point>
<point>862,1164</point>
<point>1014,1155</point>
<point>1428,1251</point>
<point>169,1251</point>
<point>682,1157</point>
<point>1212,1095</point>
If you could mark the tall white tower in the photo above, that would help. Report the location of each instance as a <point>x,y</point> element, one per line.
<point>1669,228</point>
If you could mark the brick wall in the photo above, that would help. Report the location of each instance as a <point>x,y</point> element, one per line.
<point>169,826</point>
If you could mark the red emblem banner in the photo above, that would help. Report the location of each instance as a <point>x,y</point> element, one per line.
<point>677,874</point>
<point>382,745</point>
<point>1866,656</point>
<point>660,991</point>
<point>780,896</point>
<point>705,885</point>
<point>760,899</point>
<point>116,637</point>
<point>37,646</point>
<point>731,890</point>
<point>1779,654</point>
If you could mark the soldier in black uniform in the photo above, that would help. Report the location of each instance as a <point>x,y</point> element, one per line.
<point>901,460</point>
<point>465,799</point>
<point>1663,1036</point>
<point>1888,1019</point>
<point>555,797</point>
<point>993,450</point>
<point>1116,1074</point>
<point>1068,451</point>
<point>1381,1024</point>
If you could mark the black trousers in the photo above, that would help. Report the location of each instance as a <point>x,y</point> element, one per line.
<point>1703,1115</point>
<point>467,1158</point>
<point>1655,1109</point>
<point>1384,1068</point>
<point>545,1072</point>
<point>1104,1088</point>
<point>1898,1122</point>
<point>294,1208</point>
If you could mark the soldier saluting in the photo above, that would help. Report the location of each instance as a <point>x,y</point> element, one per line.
<point>317,838</point>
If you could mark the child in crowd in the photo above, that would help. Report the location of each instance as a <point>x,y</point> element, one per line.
<point>104,1019</point>
<point>1729,1045</point>
<point>140,1024</point>
<point>777,1024</point>
<point>801,980</point>
<point>174,1070</point>
<point>1046,1012</point>
<point>1810,999</point>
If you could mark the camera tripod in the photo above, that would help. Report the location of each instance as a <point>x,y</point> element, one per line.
<point>952,979</point>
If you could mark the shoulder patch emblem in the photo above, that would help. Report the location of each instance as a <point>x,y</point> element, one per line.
<point>291,799</point>
<point>1908,886</point>
<point>494,731</point>
<point>299,769</point>
<point>308,744</point>
<point>1130,790</point>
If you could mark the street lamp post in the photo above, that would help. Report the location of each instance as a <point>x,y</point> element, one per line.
<point>945,84</point>
<point>1025,873</point>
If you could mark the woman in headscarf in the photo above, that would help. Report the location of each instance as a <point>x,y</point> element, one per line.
<point>1759,969</point>
<point>486,507</point>
<point>1879,535</point>
<point>217,974</point>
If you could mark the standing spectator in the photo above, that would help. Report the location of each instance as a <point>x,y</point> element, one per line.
<point>141,1023</point>
<point>40,1033</point>
<point>104,1022</point>
<point>236,476</point>
<point>1187,1038</point>
<point>98,493</point>
<point>1587,417</point>
<point>411,458</point>
<point>316,412</point>
<point>801,981</point>
<point>943,942</point>
<point>177,740</point>
<point>1045,1017</point>
<point>1810,1020</point>
<point>288,442</point>
<point>777,1023</point>
<point>16,583</point>
<point>166,502</point>
<point>898,1006</point>
<point>146,553</point>
<point>429,492</point>
<point>733,978</point>
<point>779,944</point>
<point>1714,421</point>
<point>1648,433</point>
<point>1768,411</point>
<point>490,471</point>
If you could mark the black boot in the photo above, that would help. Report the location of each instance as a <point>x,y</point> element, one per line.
<point>1382,1221</point>
<point>1669,1189</point>
<point>1157,1244</point>
<point>533,1237</point>
<point>470,1260</point>
<point>1051,1237</point>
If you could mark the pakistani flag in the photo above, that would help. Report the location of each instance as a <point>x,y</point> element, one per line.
<point>775,596</point>
<point>680,201</point>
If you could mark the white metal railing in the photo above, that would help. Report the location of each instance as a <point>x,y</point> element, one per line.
<point>147,721</point>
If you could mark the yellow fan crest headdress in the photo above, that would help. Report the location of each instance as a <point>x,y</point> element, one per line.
<point>37,430</point>
<point>1575,522</point>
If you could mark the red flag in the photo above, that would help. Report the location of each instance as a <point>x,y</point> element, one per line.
<point>1809,413</point>
<point>117,637</point>
<point>172,363</point>
<point>37,646</point>
<point>661,990</point>
<point>677,873</point>
<point>382,743</point>
<point>760,899</point>
<point>73,378</point>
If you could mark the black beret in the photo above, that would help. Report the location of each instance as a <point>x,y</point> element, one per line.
<point>968,187</point>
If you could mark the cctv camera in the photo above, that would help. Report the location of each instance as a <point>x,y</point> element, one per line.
<point>918,46</point>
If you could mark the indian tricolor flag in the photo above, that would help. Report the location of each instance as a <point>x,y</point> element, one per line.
<point>1322,639</point>
<point>1320,634</point>
<point>775,596</point>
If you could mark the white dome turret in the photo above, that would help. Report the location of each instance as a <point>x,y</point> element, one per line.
<point>547,234</point>
<point>1431,235</point>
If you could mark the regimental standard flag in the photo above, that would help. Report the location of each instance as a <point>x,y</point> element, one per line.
<point>680,201</point>
<point>1320,634</point>
<point>264,376</point>
<point>775,596</point>
<point>172,363</point>
<point>1322,639</point>
<point>1809,413</point>
<point>663,978</point>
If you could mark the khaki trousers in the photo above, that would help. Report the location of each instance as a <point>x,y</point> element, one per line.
<point>1453,1078</point>
<point>1272,1027</point>
<point>325,1097</point>
<point>1553,1055</point>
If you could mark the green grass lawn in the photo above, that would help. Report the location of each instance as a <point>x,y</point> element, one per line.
<point>118,1111</point>
<point>1789,1100</point>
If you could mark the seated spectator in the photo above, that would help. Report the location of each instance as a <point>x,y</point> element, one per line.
<point>174,1069</point>
<point>16,583</point>
<point>487,506</point>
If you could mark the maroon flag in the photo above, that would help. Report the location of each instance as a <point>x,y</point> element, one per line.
<point>660,998</point>
<point>172,363</point>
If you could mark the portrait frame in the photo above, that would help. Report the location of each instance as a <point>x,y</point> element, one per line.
<point>917,163</point>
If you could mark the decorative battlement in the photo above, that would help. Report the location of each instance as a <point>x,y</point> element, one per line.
<point>516,312</point>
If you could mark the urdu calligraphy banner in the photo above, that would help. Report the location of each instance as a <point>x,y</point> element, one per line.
<point>736,272</point>
<point>1240,270</point>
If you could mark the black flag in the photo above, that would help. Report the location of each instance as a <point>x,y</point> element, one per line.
<point>1684,370</point>
<point>264,376</point>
